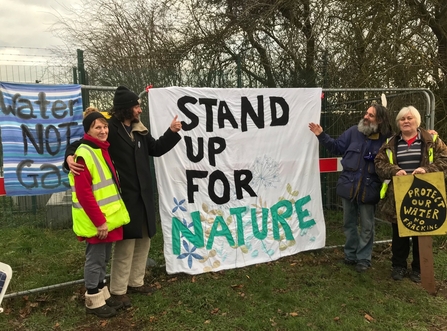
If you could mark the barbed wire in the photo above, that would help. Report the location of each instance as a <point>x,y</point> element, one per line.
<point>27,55</point>
<point>40,62</point>
<point>25,47</point>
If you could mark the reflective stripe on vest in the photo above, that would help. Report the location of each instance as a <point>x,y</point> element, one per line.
<point>390,158</point>
<point>105,192</point>
<point>385,183</point>
<point>430,151</point>
<point>102,184</point>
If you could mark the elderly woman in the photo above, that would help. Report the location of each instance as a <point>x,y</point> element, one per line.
<point>410,155</point>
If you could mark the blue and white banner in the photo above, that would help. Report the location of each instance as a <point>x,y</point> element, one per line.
<point>243,185</point>
<point>37,122</point>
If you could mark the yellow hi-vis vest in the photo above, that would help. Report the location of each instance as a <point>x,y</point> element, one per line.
<point>390,157</point>
<point>105,192</point>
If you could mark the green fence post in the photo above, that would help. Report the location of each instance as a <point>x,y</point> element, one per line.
<point>75,75</point>
<point>82,78</point>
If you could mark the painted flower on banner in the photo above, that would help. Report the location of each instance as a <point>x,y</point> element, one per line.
<point>211,261</point>
<point>178,205</point>
<point>265,172</point>
<point>189,254</point>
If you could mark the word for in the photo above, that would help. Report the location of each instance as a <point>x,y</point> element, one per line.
<point>224,113</point>
<point>276,215</point>
<point>242,180</point>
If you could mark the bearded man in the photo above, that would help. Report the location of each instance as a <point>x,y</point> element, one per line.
<point>358,185</point>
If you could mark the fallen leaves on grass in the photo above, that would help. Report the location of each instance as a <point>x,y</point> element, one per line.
<point>26,311</point>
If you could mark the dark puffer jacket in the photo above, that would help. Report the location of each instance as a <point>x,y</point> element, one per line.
<point>386,170</point>
<point>358,181</point>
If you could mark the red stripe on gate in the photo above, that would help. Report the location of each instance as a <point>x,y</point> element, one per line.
<point>329,165</point>
<point>2,186</point>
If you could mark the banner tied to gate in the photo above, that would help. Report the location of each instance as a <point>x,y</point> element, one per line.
<point>243,185</point>
<point>37,123</point>
<point>420,204</point>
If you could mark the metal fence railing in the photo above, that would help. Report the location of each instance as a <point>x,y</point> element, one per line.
<point>341,108</point>
<point>43,74</point>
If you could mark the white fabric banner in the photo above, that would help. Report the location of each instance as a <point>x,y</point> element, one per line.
<point>243,185</point>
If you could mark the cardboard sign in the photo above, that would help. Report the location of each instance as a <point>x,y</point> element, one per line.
<point>420,204</point>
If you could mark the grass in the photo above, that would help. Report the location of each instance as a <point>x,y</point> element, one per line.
<point>307,291</point>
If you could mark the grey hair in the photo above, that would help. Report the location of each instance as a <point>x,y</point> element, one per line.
<point>413,111</point>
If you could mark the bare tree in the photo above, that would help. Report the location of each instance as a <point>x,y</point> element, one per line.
<point>260,42</point>
<point>124,42</point>
<point>264,43</point>
<point>432,14</point>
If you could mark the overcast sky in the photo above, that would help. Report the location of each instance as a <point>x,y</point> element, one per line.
<point>24,26</point>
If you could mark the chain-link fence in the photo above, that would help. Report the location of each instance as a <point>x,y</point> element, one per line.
<point>36,74</point>
<point>340,110</point>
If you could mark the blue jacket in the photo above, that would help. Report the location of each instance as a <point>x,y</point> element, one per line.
<point>358,180</point>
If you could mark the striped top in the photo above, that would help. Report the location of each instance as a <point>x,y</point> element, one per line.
<point>409,156</point>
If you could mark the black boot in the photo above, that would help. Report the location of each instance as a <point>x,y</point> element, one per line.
<point>111,301</point>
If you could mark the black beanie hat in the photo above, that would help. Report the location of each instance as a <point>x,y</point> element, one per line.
<point>90,118</point>
<point>124,98</point>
